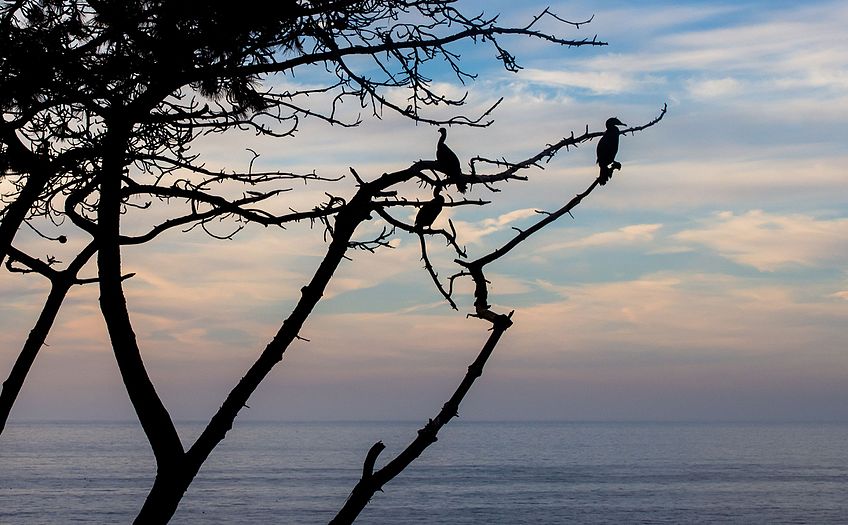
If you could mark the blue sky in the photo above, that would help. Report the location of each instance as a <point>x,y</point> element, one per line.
<point>707,281</point>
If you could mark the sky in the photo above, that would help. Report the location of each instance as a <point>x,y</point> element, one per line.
<point>707,281</point>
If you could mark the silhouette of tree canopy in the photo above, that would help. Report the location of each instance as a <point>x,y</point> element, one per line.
<point>102,101</point>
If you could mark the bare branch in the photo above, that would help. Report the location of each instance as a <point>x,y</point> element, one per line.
<point>429,267</point>
<point>427,435</point>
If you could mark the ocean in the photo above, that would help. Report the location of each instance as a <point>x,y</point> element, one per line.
<point>493,473</point>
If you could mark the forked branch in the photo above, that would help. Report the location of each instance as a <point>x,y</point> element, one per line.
<point>371,481</point>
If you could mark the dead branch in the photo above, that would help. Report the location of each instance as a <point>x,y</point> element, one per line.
<point>433,275</point>
<point>427,435</point>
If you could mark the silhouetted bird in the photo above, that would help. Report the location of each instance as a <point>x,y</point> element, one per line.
<point>607,149</point>
<point>449,162</point>
<point>430,210</point>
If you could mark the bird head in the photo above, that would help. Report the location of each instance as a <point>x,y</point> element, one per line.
<point>443,132</point>
<point>613,122</point>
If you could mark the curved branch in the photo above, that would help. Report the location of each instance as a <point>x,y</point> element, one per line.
<point>450,238</point>
<point>433,275</point>
<point>152,414</point>
<point>359,50</point>
<point>524,234</point>
<point>546,154</point>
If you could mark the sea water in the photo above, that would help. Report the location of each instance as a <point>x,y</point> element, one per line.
<point>495,473</point>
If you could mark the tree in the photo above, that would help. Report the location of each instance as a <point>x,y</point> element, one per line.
<point>100,123</point>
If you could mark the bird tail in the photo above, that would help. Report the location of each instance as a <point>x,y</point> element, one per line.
<point>461,185</point>
<point>606,173</point>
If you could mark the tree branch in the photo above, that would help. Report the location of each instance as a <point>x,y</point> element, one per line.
<point>427,435</point>
<point>60,284</point>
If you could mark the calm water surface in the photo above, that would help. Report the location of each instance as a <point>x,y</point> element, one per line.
<point>510,473</point>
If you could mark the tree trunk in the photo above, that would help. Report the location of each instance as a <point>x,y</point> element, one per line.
<point>162,501</point>
<point>151,412</point>
<point>170,485</point>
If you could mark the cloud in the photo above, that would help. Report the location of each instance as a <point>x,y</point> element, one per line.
<point>758,43</point>
<point>631,234</point>
<point>713,88</point>
<point>501,284</point>
<point>708,53</point>
<point>661,20</point>
<point>683,314</point>
<point>598,82</point>
<point>474,232</point>
<point>770,242</point>
<point>775,175</point>
<point>759,123</point>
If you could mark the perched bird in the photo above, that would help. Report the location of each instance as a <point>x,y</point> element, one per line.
<point>607,149</point>
<point>430,210</point>
<point>449,162</point>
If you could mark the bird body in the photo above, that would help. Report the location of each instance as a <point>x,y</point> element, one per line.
<point>449,162</point>
<point>608,148</point>
<point>430,210</point>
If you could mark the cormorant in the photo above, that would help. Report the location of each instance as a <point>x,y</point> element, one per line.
<point>430,210</point>
<point>607,149</point>
<point>449,162</point>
